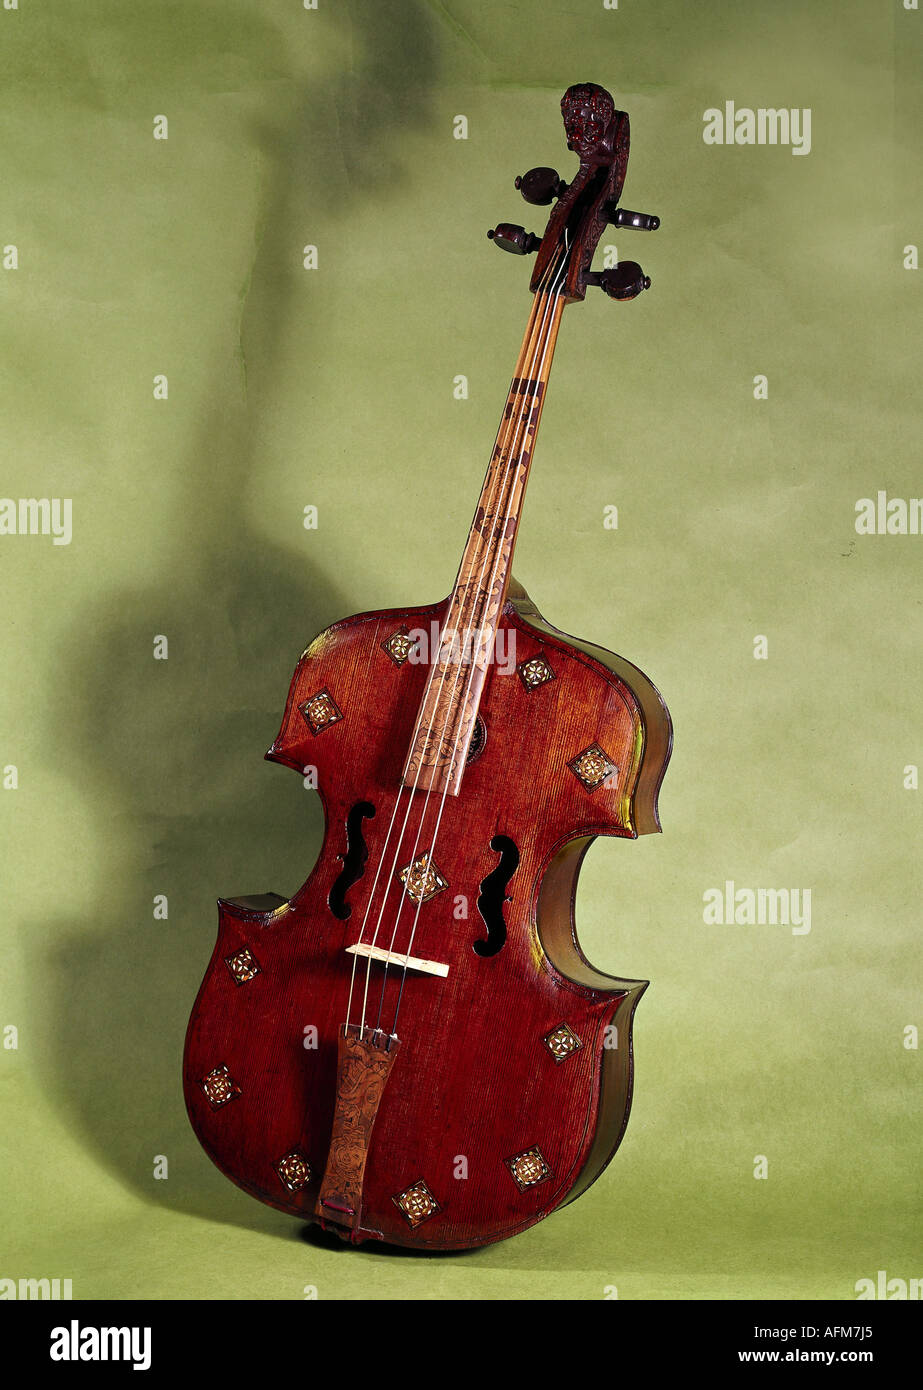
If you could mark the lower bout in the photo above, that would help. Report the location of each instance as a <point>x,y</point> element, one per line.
<point>472,1143</point>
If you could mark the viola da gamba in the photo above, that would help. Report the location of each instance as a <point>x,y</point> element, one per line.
<point>414,1047</point>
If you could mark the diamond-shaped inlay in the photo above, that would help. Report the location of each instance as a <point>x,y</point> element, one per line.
<point>422,880</point>
<point>561,1042</point>
<point>242,966</point>
<point>534,672</point>
<point>219,1087</point>
<point>528,1169</point>
<point>399,646</point>
<point>294,1170</point>
<point>320,711</point>
<point>592,767</point>
<point>417,1203</point>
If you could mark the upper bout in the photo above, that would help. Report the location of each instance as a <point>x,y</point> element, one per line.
<point>344,696</point>
<point>651,726</point>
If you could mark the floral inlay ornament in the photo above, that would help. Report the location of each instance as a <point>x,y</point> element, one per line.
<point>592,767</point>
<point>528,1169</point>
<point>399,646</point>
<point>242,966</point>
<point>294,1170</point>
<point>320,711</point>
<point>219,1087</point>
<point>534,672</point>
<point>422,880</point>
<point>417,1203</point>
<point>561,1042</point>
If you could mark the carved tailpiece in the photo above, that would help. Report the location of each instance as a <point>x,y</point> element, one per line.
<point>365,1057</point>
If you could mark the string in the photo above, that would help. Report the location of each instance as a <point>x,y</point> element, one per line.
<point>551,304</point>
<point>503,435</point>
<point>391,876</point>
<point>525,364</point>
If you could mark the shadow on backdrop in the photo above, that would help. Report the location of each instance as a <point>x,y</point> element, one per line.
<point>175,753</point>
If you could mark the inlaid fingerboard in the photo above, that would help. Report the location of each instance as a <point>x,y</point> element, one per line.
<point>446,721</point>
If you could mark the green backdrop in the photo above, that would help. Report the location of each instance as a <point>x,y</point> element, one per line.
<point>759,1050</point>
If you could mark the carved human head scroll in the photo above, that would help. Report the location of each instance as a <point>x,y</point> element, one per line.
<point>588,113</point>
<point>599,135</point>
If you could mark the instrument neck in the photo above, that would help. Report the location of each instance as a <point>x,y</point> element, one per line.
<point>486,564</point>
<point>447,717</point>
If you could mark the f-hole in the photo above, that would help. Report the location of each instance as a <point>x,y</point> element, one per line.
<point>357,852</point>
<point>493,895</point>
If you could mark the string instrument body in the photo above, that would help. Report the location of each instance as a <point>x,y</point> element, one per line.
<point>484,1084</point>
<point>485,1078</point>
